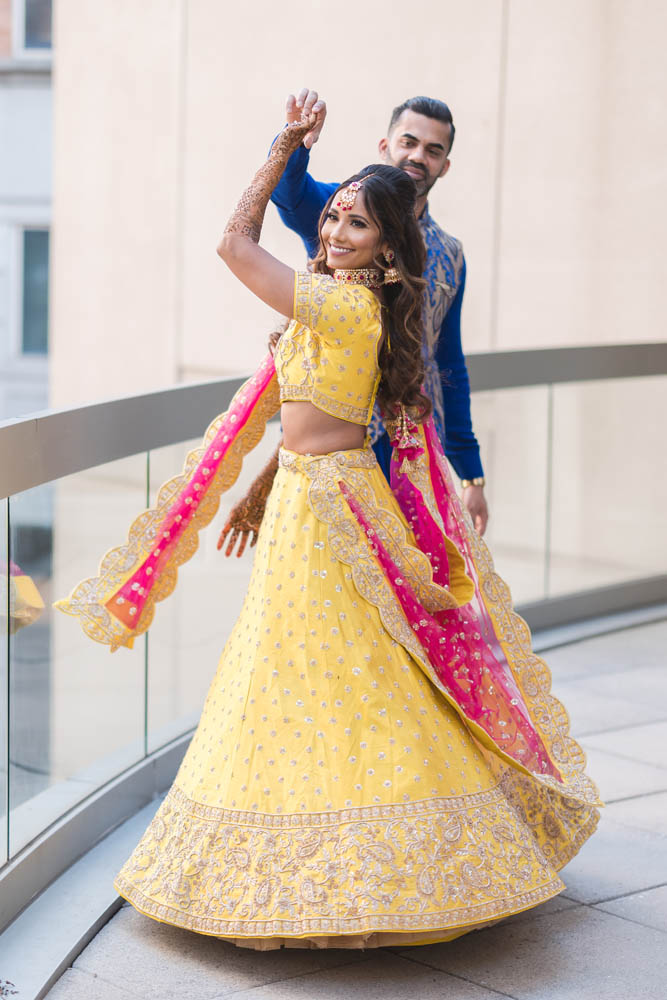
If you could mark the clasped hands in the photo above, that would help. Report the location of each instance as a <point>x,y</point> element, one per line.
<point>303,107</point>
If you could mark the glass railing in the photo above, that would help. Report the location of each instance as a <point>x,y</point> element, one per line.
<point>571,443</point>
<point>78,715</point>
<point>576,483</point>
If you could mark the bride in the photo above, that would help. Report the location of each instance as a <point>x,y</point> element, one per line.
<point>378,760</point>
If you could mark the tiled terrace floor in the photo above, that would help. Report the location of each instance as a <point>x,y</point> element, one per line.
<point>604,938</point>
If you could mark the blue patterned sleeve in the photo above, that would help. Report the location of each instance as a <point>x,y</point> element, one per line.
<point>461,445</point>
<point>300,199</point>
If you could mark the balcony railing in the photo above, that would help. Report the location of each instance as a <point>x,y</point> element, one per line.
<point>571,440</point>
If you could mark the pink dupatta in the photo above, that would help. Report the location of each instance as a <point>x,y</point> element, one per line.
<point>118,604</point>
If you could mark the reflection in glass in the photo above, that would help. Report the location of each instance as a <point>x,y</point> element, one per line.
<point>38,19</point>
<point>35,325</point>
<point>187,636</point>
<point>76,714</point>
<point>4,721</point>
<point>610,483</point>
<point>511,425</point>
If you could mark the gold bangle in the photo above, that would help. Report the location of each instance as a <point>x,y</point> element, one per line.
<point>477,481</point>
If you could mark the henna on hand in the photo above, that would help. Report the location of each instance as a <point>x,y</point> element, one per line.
<point>248,217</point>
<point>275,336</point>
<point>246,517</point>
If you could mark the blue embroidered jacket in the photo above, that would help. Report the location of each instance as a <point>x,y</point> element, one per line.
<point>299,200</point>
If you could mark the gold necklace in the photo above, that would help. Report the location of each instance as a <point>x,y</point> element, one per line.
<point>371,277</point>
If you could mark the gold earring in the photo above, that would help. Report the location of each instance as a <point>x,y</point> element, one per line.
<point>391,275</point>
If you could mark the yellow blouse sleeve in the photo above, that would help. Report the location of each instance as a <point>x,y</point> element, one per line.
<point>333,310</point>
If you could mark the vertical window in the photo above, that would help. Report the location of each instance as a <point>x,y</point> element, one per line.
<point>37,24</point>
<point>35,307</point>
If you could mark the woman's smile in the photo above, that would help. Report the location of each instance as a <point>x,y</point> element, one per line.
<point>339,251</point>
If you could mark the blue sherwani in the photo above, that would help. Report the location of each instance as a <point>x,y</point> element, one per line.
<point>300,200</point>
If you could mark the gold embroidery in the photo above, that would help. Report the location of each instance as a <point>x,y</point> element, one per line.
<point>559,825</point>
<point>343,411</point>
<point>350,544</point>
<point>329,789</point>
<point>436,863</point>
<point>335,333</point>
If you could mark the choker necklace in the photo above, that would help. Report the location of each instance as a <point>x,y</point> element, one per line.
<point>371,277</point>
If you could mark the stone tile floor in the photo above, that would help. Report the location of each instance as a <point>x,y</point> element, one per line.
<point>604,938</point>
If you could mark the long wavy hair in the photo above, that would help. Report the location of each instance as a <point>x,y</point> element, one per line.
<point>389,197</point>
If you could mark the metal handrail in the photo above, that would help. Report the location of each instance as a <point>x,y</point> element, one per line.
<point>46,446</point>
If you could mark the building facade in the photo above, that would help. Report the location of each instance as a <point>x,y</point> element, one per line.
<point>25,203</point>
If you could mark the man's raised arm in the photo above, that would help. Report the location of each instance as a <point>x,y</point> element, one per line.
<point>298,197</point>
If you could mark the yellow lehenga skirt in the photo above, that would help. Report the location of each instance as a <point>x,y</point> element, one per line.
<point>331,795</point>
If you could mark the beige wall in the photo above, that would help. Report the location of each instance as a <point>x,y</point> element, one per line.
<point>164,109</point>
<point>584,174</point>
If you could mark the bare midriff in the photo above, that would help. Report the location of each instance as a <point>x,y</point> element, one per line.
<point>309,431</point>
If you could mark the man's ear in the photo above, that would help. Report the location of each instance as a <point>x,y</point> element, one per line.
<point>383,145</point>
<point>447,164</point>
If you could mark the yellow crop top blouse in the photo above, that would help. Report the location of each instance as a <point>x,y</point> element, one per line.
<point>328,353</point>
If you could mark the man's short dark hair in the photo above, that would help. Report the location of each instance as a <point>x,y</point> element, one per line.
<point>430,108</point>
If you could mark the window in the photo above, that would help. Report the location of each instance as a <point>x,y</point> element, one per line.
<point>34,18</point>
<point>35,292</point>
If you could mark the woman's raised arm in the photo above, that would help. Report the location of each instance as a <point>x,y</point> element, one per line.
<point>266,276</point>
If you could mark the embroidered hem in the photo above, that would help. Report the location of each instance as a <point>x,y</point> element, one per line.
<point>439,864</point>
<point>309,394</point>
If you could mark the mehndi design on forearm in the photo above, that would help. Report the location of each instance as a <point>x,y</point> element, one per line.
<point>259,491</point>
<point>248,217</point>
<point>248,514</point>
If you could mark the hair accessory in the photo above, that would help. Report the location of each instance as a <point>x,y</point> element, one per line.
<point>371,277</point>
<point>348,196</point>
<point>391,275</point>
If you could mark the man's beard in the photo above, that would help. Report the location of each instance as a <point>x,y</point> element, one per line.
<point>424,184</point>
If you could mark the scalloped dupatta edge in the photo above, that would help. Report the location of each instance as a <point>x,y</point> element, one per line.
<point>118,604</point>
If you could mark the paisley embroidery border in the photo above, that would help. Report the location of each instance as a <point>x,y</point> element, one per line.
<point>440,863</point>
